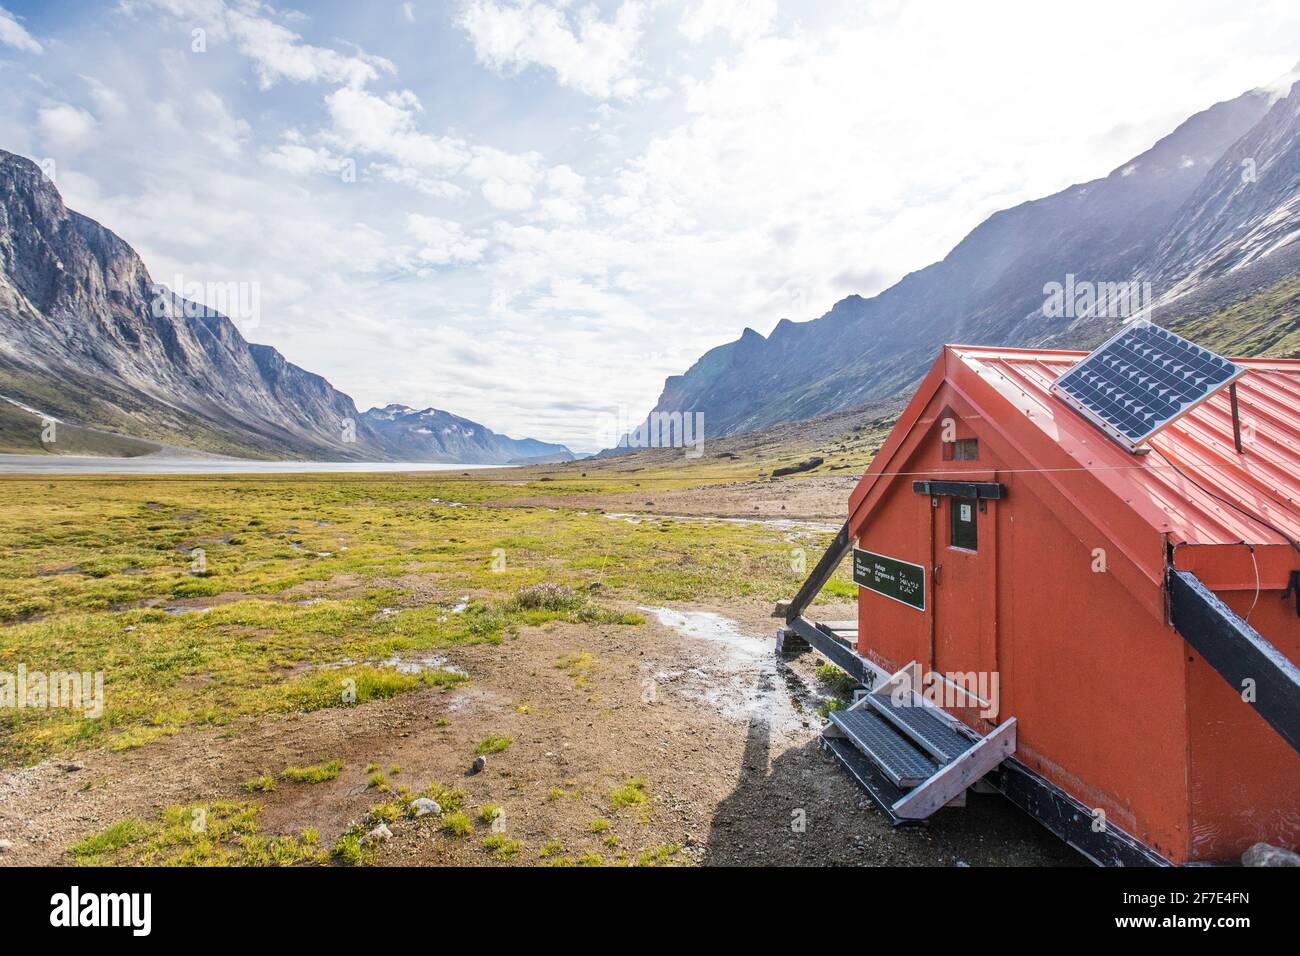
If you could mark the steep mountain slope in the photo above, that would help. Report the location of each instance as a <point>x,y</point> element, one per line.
<point>88,338</point>
<point>434,435</point>
<point>990,288</point>
<point>1246,207</point>
<point>85,334</point>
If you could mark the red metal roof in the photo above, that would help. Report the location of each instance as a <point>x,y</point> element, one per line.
<point>1264,481</point>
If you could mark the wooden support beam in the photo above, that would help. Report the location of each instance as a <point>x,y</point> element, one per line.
<point>1238,652</point>
<point>836,553</point>
<point>842,657</point>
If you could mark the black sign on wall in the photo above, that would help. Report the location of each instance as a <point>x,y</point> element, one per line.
<point>901,581</point>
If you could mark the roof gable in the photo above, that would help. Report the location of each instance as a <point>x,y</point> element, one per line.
<point>1192,489</point>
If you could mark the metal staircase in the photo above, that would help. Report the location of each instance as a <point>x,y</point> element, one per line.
<point>912,757</point>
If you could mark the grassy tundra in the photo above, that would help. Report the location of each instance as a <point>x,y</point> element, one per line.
<point>207,602</point>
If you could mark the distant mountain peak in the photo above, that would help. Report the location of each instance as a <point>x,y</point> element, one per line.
<point>435,435</point>
<point>1178,213</point>
<point>88,335</point>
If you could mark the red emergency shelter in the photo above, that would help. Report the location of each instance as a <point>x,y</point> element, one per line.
<point>1107,635</point>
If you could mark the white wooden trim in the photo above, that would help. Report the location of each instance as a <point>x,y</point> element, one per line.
<point>953,779</point>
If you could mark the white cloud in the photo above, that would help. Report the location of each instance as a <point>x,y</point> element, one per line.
<point>507,179</point>
<point>106,99</point>
<point>276,51</point>
<point>742,20</point>
<point>386,125</point>
<point>295,157</point>
<point>408,11</point>
<point>497,228</point>
<point>442,241</point>
<point>594,56</point>
<point>279,53</point>
<point>413,179</point>
<point>13,34</point>
<point>65,127</point>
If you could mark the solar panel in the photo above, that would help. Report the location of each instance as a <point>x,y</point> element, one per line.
<point>1142,379</point>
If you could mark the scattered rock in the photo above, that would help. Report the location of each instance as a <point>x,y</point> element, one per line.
<point>424,806</point>
<point>378,835</point>
<point>808,464</point>
<point>479,763</point>
<point>782,607</point>
<point>1264,854</point>
<point>6,846</point>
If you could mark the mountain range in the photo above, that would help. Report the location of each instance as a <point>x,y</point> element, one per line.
<point>1203,224</point>
<point>1208,215</point>
<point>87,338</point>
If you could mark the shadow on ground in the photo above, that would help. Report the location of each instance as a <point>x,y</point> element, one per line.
<point>801,809</point>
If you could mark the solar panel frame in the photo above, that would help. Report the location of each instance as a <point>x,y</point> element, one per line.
<point>1102,386</point>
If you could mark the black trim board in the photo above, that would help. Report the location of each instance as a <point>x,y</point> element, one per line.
<point>1238,652</point>
<point>990,490</point>
<point>1069,819</point>
<point>830,648</point>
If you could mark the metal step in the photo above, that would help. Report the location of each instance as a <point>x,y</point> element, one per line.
<point>922,726</point>
<point>885,746</point>
<point>882,793</point>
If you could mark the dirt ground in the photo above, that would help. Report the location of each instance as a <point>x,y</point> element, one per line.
<point>693,702</point>
<point>823,499</point>
<point>723,735</point>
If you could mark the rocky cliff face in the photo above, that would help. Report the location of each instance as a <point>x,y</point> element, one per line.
<point>434,435</point>
<point>1173,216</point>
<point>1246,208</point>
<point>85,335</point>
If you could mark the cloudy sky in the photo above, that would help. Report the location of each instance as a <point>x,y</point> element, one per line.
<point>529,212</point>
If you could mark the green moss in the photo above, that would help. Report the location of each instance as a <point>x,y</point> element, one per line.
<point>658,856</point>
<point>629,794</point>
<point>316,773</point>
<point>835,680</point>
<point>825,708</point>
<point>221,833</point>
<point>449,799</point>
<point>262,784</point>
<point>456,823</point>
<point>501,846</point>
<point>112,838</point>
<point>492,744</point>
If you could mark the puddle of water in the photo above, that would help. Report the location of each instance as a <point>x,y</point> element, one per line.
<point>297,546</point>
<point>743,680</point>
<point>716,629</point>
<point>182,609</point>
<point>403,665</point>
<point>414,665</point>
